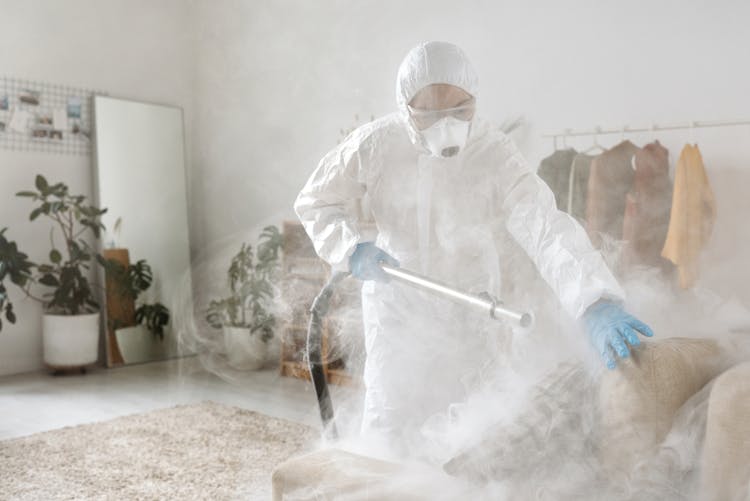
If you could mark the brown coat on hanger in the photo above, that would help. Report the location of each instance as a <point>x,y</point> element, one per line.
<point>647,208</point>
<point>610,179</point>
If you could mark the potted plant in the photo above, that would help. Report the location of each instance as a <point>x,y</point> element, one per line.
<point>244,316</point>
<point>136,336</point>
<point>70,326</point>
<point>132,281</point>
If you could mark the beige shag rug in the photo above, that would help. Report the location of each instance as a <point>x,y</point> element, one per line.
<point>201,451</point>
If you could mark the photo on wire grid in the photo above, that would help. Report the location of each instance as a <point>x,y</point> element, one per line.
<point>2,126</point>
<point>56,134</point>
<point>28,96</point>
<point>74,107</point>
<point>4,102</point>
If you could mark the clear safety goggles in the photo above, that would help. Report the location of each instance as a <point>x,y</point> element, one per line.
<point>424,119</point>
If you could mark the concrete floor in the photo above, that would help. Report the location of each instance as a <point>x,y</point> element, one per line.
<point>37,402</point>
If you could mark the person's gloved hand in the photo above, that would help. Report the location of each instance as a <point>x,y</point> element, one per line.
<point>365,262</point>
<point>610,327</point>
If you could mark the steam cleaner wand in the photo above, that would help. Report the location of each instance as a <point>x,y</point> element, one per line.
<point>482,301</point>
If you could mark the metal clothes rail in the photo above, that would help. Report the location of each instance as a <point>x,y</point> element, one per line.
<point>597,131</point>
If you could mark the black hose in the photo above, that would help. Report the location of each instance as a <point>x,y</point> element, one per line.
<point>318,311</point>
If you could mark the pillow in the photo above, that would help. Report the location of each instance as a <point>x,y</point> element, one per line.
<point>638,402</point>
<point>725,465</point>
<point>574,425</point>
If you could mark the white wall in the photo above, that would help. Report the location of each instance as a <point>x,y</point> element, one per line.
<point>268,84</point>
<point>278,79</point>
<point>137,49</point>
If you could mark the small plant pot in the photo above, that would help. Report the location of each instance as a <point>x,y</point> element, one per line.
<point>70,341</point>
<point>137,344</point>
<point>245,351</point>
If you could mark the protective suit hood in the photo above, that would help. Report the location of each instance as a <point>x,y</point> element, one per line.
<point>432,63</point>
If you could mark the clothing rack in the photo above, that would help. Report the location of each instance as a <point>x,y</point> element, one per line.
<point>597,131</point>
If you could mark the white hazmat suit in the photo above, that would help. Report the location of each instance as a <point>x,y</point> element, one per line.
<point>442,217</point>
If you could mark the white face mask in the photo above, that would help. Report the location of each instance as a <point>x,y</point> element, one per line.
<point>446,137</point>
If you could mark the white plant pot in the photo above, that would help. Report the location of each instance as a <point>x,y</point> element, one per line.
<point>137,344</point>
<point>244,351</point>
<point>70,340</point>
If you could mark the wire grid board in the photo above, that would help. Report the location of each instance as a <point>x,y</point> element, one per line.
<point>45,117</point>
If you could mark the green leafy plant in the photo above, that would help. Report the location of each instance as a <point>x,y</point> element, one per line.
<point>131,281</point>
<point>251,283</point>
<point>65,273</point>
<point>154,316</point>
<point>15,266</point>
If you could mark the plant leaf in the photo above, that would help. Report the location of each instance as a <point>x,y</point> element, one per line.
<point>49,280</point>
<point>59,190</point>
<point>55,256</point>
<point>41,183</point>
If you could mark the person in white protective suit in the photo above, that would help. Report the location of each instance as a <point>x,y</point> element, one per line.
<point>430,188</point>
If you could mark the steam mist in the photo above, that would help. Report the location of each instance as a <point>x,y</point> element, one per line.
<point>534,414</point>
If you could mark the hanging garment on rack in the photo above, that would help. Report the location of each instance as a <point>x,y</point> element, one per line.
<point>555,171</point>
<point>647,208</point>
<point>610,179</point>
<point>693,215</point>
<point>578,184</point>
<point>566,172</point>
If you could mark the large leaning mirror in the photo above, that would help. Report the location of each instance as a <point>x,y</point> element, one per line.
<point>140,178</point>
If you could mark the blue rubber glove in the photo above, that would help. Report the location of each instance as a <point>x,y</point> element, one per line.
<point>610,327</point>
<point>365,262</point>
